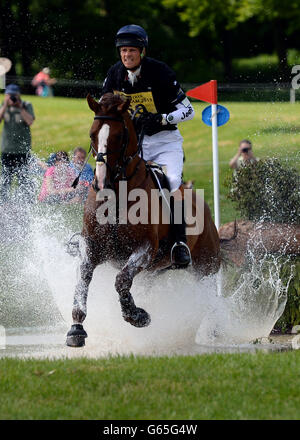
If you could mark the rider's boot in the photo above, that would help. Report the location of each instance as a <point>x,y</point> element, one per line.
<point>180,252</point>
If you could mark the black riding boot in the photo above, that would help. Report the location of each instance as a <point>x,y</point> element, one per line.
<point>180,253</point>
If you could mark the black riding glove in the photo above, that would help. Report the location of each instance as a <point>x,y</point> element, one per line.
<point>152,123</point>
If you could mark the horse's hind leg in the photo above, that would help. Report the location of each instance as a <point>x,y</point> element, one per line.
<point>76,336</point>
<point>132,314</point>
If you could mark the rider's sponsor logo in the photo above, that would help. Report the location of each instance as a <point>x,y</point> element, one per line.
<point>145,98</point>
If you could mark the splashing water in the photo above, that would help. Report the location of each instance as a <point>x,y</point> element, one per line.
<point>38,281</point>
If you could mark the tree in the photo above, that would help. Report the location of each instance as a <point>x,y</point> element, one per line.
<point>217,18</point>
<point>285,20</point>
<point>220,17</point>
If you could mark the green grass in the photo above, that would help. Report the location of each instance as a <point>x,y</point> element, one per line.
<point>259,386</point>
<point>240,386</point>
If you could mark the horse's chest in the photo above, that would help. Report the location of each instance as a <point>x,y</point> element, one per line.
<point>122,241</point>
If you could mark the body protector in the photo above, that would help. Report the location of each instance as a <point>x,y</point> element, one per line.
<point>155,86</point>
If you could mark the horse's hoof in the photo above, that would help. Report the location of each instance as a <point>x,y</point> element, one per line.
<point>139,318</point>
<point>76,336</point>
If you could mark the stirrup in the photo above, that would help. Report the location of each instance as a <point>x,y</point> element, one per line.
<point>180,243</point>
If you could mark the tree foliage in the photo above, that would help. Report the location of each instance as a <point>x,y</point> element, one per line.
<point>198,38</point>
<point>76,39</point>
<point>220,16</point>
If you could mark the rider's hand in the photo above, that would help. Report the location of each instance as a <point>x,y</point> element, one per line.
<point>152,123</point>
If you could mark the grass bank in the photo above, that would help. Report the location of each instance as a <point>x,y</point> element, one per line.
<point>240,386</point>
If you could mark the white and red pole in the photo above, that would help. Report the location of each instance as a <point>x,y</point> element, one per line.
<point>208,92</point>
<point>215,149</point>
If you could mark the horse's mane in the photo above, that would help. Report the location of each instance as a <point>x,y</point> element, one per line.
<point>109,101</point>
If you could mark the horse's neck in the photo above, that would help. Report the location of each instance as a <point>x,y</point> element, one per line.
<point>132,143</point>
<point>137,164</point>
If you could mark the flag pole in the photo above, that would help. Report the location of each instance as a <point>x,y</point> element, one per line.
<point>208,92</point>
<point>214,126</point>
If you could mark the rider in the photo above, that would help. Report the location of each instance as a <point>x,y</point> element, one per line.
<point>153,84</point>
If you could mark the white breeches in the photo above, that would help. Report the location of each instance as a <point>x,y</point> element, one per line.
<point>165,149</point>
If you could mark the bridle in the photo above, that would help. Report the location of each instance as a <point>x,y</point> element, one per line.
<point>119,172</point>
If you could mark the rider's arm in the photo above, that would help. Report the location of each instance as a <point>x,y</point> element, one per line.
<point>183,109</point>
<point>184,112</point>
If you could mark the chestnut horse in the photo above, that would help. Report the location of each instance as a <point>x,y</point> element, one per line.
<point>132,247</point>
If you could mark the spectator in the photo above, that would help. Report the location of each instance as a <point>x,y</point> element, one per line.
<point>43,83</point>
<point>87,173</point>
<point>18,116</point>
<point>243,156</point>
<point>56,186</point>
<point>79,157</point>
<point>43,166</point>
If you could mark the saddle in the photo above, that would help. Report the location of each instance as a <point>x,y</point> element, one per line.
<point>158,175</point>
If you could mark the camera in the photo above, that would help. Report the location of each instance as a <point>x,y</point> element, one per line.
<point>245,150</point>
<point>13,98</point>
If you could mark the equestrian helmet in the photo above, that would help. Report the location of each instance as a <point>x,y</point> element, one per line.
<point>131,35</point>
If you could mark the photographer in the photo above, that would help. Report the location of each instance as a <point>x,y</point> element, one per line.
<point>18,116</point>
<point>243,156</point>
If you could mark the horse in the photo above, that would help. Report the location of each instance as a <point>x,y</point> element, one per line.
<point>133,248</point>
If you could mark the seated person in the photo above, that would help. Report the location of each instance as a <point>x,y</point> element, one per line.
<point>243,156</point>
<point>87,173</point>
<point>44,165</point>
<point>79,157</point>
<point>58,178</point>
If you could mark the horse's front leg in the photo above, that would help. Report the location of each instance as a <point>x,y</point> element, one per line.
<point>76,336</point>
<point>138,261</point>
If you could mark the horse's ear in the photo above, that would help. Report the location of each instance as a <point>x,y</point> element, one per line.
<point>94,105</point>
<point>124,106</point>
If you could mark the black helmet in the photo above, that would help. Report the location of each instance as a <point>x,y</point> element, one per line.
<point>132,35</point>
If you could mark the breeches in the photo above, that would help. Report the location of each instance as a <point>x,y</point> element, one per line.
<point>165,149</point>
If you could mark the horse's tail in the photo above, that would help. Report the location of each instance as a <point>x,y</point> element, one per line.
<point>225,241</point>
